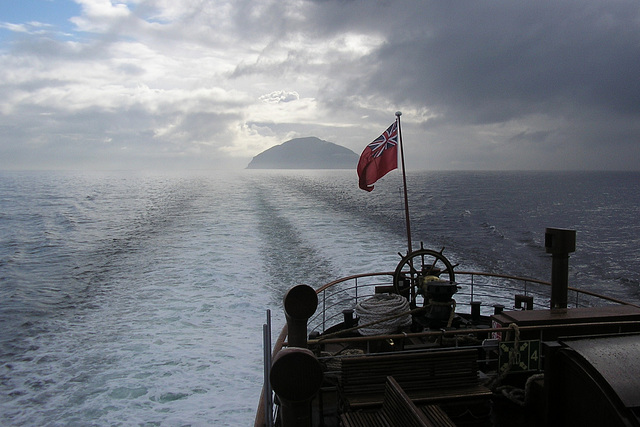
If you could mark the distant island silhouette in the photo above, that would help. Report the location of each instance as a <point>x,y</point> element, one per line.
<point>305,153</point>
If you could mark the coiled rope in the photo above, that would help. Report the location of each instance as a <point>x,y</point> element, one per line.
<point>382,314</point>
<point>521,397</point>
<point>495,384</point>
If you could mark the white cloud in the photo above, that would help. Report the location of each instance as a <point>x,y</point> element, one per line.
<point>100,15</point>
<point>500,85</point>
<point>18,28</point>
<point>279,96</point>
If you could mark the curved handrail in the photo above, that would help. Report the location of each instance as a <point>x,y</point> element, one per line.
<point>547,283</point>
<point>504,276</point>
<point>519,284</point>
<point>482,274</point>
<point>347,278</point>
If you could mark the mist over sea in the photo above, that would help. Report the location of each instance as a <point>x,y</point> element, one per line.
<point>138,299</point>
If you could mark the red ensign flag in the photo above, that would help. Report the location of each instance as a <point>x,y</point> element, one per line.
<point>379,158</point>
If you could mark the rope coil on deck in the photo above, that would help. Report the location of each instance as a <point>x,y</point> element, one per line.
<point>377,308</point>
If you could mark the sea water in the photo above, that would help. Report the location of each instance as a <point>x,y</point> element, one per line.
<point>138,299</point>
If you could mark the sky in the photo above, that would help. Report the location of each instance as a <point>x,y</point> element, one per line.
<point>208,84</point>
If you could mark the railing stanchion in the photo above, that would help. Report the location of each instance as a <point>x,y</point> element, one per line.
<point>324,310</point>
<point>356,280</point>
<point>268,395</point>
<point>472,288</point>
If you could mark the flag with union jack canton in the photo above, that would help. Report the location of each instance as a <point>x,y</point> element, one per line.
<point>378,158</point>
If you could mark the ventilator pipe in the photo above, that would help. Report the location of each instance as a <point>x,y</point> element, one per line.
<point>296,376</point>
<point>300,302</point>
<point>559,243</point>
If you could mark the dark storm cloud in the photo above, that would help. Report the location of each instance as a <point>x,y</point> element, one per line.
<point>565,73</point>
<point>487,62</point>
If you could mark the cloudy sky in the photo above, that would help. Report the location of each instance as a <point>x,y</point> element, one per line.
<point>503,84</point>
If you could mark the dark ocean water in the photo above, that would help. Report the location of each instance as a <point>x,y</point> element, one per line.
<point>138,299</point>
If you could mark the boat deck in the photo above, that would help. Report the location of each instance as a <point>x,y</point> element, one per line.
<point>483,370</point>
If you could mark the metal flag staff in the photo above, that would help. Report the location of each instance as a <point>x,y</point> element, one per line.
<point>404,183</point>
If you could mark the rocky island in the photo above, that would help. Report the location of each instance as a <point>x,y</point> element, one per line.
<point>305,153</point>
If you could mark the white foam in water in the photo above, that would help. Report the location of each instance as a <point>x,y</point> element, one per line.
<point>172,335</point>
<point>139,299</point>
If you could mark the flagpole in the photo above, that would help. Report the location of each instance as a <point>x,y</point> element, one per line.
<point>404,182</point>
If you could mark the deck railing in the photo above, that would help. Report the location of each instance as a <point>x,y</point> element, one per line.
<point>487,288</point>
<point>490,288</point>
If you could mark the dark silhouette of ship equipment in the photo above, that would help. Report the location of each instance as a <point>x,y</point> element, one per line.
<point>425,345</point>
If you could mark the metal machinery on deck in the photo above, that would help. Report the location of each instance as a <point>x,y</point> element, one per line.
<point>557,365</point>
